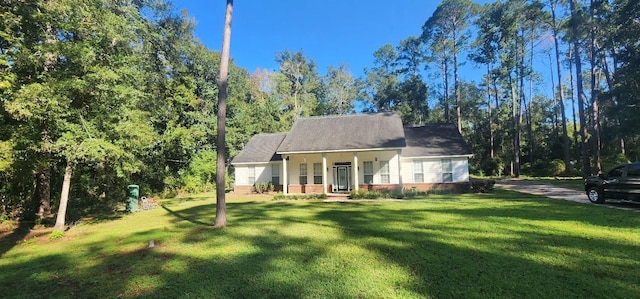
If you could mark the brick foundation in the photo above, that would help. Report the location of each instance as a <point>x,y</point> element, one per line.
<point>309,188</point>
<point>242,189</point>
<point>251,189</point>
<point>380,187</point>
<point>460,187</point>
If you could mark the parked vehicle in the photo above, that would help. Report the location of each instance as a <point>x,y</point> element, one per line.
<point>621,182</point>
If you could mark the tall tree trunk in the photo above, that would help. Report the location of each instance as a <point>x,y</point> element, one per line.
<point>516,102</point>
<point>556,108</point>
<point>610,82</point>
<point>445,82</point>
<point>43,191</point>
<point>532,143</point>
<point>456,84</point>
<point>594,91</point>
<point>565,135</point>
<point>43,177</point>
<point>221,205</point>
<point>573,106</point>
<point>515,165</point>
<point>532,158</point>
<point>64,198</point>
<point>586,165</point>
<point>497,99</point>
<point>491,145</point>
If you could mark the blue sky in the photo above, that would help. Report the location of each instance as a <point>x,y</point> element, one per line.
<point>330,32</point>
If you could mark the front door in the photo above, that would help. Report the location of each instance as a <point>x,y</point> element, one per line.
<point>343,178</point>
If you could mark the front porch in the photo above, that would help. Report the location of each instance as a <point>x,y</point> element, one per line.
<point>317,189</point>
<point>341,172</point>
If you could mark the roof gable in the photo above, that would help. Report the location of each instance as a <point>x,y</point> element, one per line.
<point>261,148</point>
<point>344,132</point>
<point>434,140</point>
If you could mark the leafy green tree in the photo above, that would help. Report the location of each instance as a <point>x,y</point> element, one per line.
<point>555,30</point>
<point>340,90</point>
<point>411,56</point>
<point>299,84</point>
<point>383,89</point>
<point>575,33</point>
<point>412,101</point>
<point>448,27</point>
<point>94,79</point>
<point>486,46</point>
<point>625,82</point>
<point>380,85</point>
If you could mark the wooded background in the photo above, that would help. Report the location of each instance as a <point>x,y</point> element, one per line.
<point>115,92</point>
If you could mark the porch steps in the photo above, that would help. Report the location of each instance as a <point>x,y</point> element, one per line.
<point>337,196</point>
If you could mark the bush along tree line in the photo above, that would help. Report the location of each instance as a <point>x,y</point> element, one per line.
<point>99,94</point>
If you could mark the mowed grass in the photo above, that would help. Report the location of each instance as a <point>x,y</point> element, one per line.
<point>500,245</point>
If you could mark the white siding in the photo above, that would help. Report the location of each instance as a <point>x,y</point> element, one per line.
<point>432,168</point>
<point>262,174</point>
<point>432,171</point>
<point>407,170</point>
<point>242,173</point>
<point>460,169</point>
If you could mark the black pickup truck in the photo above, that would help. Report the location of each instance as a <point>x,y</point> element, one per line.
<point>621,182</point>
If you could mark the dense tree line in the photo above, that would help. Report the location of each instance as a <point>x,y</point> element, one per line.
<point>98,94</point>
<point>587,49</point>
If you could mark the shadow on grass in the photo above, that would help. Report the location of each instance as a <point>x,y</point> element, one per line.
<point>481,265</point>
<point>629,205</point>
<point>346,250</point>
<point>13,236</point>
<point>451,259</point>
<point>191,217</point>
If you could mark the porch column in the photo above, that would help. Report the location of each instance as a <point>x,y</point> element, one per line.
<point>355,171</point>
<point>400,171</point>
<point>285,181</point>
<point>324,173</point>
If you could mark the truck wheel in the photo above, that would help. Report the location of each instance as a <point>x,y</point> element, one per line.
<point>595,195</point>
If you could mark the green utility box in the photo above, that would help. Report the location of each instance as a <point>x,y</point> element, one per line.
<point>133,192</point>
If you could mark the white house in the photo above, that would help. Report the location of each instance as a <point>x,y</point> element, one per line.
<point>333,154</point>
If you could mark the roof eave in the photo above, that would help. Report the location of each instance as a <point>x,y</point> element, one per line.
<point>340,151</point>
<point>439,156</point>
<point>253,163</point>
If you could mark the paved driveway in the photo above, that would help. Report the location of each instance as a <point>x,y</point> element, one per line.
<point>555,192</point>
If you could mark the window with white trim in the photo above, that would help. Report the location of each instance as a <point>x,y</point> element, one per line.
<point>275,174</point>
<point>251,175</point>
<point>418,171</point>
<point>368,172</point>
<point>447,170</point>
<point>385,177</point>
<point>303,174</point>
<point>317,173</point>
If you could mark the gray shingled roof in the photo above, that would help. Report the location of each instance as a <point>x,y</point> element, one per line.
<point>260,149</point>
<point>434,140</point>
<point>345,132</point>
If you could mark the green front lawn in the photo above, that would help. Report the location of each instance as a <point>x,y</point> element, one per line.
<point>504,244</point>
